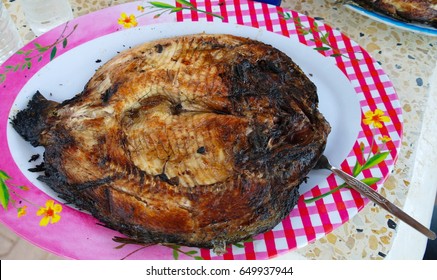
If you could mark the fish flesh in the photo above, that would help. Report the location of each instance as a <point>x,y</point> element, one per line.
<point>199,140</point>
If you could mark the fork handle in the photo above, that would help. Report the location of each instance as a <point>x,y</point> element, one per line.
<point>383,202</point>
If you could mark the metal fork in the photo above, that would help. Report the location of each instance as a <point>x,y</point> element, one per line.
<point>367,191</point>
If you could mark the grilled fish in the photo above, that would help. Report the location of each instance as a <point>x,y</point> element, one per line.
<point>419,11</point>
<point>200,140</point>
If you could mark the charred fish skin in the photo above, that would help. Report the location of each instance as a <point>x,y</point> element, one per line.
<point>195,140</point>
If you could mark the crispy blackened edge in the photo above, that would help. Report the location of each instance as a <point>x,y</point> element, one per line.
<point>30,122</point>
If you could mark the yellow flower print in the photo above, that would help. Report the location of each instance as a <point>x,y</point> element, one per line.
<point>140,8</point>
<point>384,139</point>
<point>21,211</point>
<point>49,213</point>
<point>127,21</point>
<point>375,118</point>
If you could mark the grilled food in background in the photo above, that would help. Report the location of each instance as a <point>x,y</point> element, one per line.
<point>200,140</point>
<point>420,11</point>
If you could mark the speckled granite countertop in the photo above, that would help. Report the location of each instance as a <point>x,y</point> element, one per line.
<point>410,60</point>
